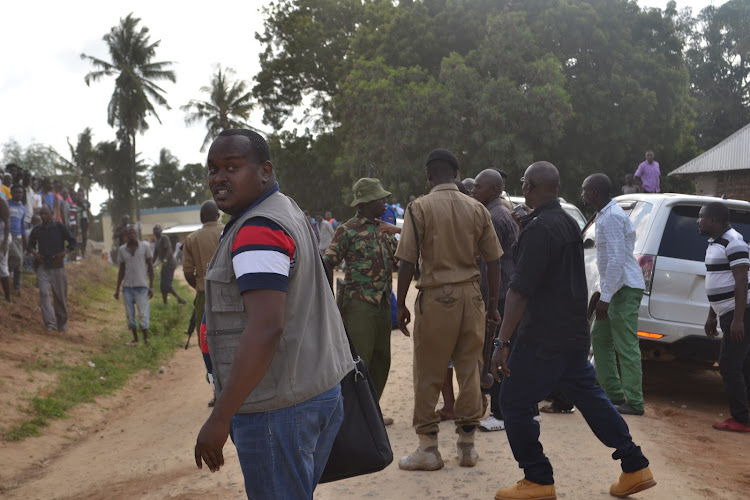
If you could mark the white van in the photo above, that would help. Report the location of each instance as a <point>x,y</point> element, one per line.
<point>671,254</point>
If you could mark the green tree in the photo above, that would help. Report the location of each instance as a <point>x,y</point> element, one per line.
<point>172,186</point>
<point>229,105</point>
<point>113,158</point>
<point>304,168</point>
<point>627,82</point>
<point>83,165</point>
<point>41,160</point>
<point>132,53</point>
<point>718,57</point>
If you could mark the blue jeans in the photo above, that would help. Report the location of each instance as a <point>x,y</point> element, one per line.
<point>534,375</point>
<point>132,297</point>
<point>283,452</point>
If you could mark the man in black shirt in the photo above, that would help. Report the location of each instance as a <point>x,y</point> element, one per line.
<point>547,300</point>
<point>47,245</point>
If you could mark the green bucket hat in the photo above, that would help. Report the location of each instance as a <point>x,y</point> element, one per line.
<point>367,190</point>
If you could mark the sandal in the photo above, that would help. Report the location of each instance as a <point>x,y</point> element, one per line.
<point>132,343</point>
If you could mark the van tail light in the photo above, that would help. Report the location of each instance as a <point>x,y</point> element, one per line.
<point>647,263</point>
<point>649,335</point>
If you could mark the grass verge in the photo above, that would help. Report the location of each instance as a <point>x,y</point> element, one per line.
<point>109,367</point>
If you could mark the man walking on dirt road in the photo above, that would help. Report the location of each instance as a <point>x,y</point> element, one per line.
<point>547,301</point>
<point>274,332</point>
<point>135,261</point>
<point>443,232</point>
<point>614,335</point>
<point>199,248</point>
<point>47,245</point>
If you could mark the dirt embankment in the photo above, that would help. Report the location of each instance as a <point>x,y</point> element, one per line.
<point>139,443</point>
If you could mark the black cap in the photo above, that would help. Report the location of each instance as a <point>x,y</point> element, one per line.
<point>442,155</point>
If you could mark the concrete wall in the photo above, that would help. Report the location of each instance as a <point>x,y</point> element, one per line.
<point>735,183</point>
<point>166,217</point>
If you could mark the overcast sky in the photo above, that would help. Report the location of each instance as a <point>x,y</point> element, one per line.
<point>43,97</point>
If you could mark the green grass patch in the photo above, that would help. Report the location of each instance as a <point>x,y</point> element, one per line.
<point>108,370</point>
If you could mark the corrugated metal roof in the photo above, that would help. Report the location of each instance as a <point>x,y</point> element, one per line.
<point>733,153</point>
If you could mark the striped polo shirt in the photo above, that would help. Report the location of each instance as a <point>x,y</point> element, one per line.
<point>262,256</point>
<point>723,253</point>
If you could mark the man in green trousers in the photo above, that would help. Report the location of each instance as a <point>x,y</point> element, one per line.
<point>370,260</point>
<point>621,281</point>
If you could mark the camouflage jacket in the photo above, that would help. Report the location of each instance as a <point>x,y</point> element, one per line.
<point>370,259</point>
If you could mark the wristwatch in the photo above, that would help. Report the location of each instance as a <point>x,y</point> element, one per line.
<point>499,344</point>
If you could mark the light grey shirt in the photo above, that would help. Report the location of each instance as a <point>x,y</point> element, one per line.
<point>136,269</point>
<point>325,229</point>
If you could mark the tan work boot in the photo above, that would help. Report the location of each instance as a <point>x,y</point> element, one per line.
<point>467,454</point>
<point>526,490</point>
<point>426,457</point>
<point>632,482</point>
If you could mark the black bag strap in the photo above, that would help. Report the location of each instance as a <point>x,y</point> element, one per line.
<point>416,239</point>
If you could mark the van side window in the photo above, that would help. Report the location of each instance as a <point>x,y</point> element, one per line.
<point>681,239</point>
<point>639,216</point>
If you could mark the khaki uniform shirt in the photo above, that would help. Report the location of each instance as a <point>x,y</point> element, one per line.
<point>198,250</point>
<point>452,229</point>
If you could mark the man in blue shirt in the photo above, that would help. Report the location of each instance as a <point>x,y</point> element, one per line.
<point>17,235</point>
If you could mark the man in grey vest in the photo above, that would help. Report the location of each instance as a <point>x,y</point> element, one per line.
<point>277,343</point>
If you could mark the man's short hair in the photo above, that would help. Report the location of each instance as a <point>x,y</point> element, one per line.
<point>257,142</point>
<point>717,210</point>
<point>442,156</point>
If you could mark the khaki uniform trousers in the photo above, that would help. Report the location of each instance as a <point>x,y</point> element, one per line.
<point>449,325</point>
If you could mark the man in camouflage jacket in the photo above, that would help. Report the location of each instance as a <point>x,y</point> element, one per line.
<point>366,297</point>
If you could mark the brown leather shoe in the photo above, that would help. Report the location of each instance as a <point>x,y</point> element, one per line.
<point>632,482</point>
<point>526,490</point>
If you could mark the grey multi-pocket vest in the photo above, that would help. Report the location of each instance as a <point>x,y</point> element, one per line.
<point>313,353</point>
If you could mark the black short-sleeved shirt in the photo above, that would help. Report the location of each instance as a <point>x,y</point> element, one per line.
<point>550,271</point>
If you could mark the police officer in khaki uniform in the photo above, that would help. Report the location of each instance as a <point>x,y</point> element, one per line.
<point>443,232</point>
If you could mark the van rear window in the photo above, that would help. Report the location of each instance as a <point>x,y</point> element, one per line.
<point>681,239</point>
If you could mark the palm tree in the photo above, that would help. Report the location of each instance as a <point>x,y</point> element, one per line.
<point>229,105</point>
<point>131,53</point>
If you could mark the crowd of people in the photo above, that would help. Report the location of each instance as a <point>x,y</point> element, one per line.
<point>483,275</point>
<point>502,302</point>
<point>44,223</point>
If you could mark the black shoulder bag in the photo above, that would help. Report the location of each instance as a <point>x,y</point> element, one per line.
<point>361,445</point>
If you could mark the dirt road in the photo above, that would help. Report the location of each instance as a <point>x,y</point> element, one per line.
<point>140,444</point>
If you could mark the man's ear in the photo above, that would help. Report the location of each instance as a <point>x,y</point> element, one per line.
<point>266,170</point>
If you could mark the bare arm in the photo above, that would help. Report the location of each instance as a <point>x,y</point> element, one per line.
<point>515,306</point>
<point>150,269</point>
<point>120,277</point>
<point>265,311</point>
<point>5,216</point>
<point>405,275</point>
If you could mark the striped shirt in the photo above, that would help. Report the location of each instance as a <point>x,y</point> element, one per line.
<point>615,240</point>
<point>724,253</point>
<point>262,256</point>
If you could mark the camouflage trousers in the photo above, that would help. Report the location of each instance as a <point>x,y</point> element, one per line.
<point>369,327</point>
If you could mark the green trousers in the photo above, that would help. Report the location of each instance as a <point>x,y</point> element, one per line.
<point>369,327</point>
<point>616,339</point>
